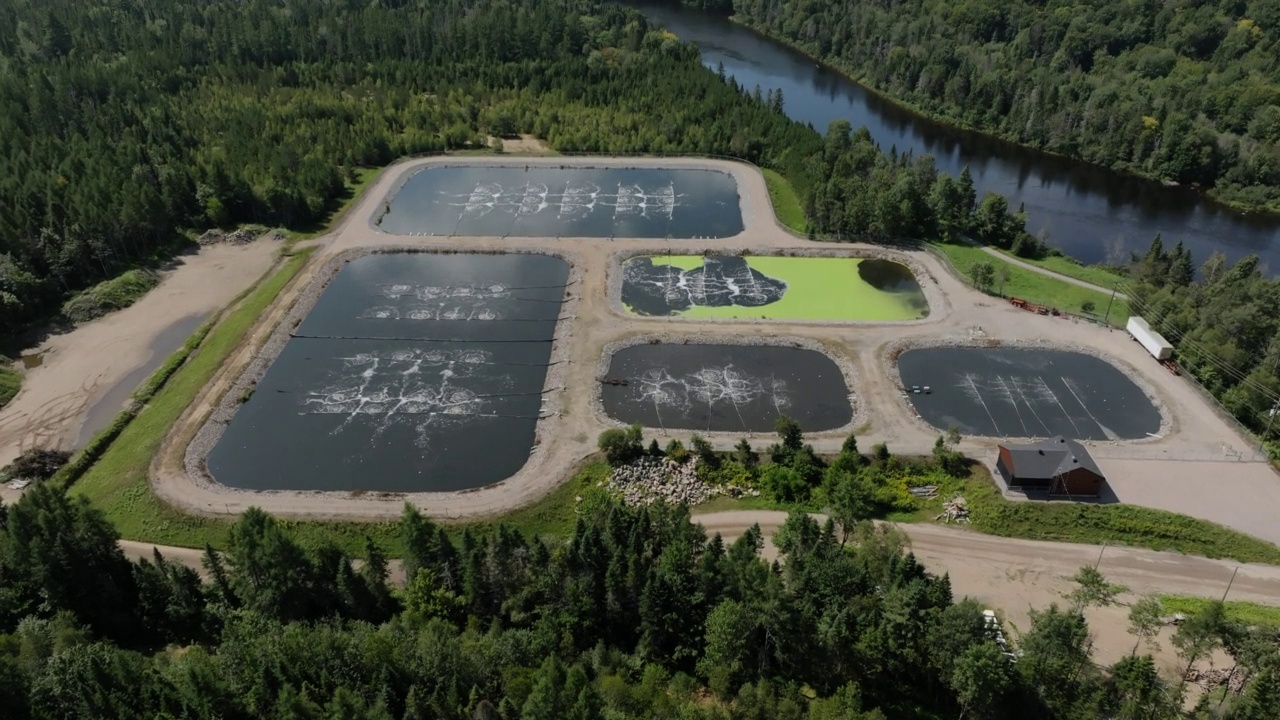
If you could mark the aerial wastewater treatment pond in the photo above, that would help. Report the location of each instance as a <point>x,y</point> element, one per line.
<point>735,388</point>
<point>775,288</point>
<point>1023,392</point>
<point>541,201</point>
<point>412,373</point>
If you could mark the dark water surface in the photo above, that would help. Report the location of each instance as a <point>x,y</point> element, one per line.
<point>1010,392</point>
<point>726,387</point>
<point>108,406</point>
<point>493,201</point>
<point>1093,214</point>
<point>652,288</point>
<point>413,373</point>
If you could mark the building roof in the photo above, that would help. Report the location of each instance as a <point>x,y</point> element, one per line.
<point>1049,458</point>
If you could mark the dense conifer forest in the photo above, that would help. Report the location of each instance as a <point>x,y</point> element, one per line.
<point>125,124</point>
<point>1183,90</point>
<point>636,615</point>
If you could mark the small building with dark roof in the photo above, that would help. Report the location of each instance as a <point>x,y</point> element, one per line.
<point>1058,466</point>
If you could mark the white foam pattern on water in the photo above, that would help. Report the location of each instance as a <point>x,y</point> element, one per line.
<point>436,302</point>
<point>421,388</point>
<point>571,201</point>
<point>713,385</point>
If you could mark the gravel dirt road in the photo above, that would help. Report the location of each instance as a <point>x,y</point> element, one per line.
<point>1010,575</point>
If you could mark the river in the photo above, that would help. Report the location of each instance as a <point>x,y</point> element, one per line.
<point>1091,213</point>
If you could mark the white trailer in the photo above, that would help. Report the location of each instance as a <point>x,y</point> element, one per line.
<point>1153,341</point>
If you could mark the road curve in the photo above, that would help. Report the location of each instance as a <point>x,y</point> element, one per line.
<point>975,560</point>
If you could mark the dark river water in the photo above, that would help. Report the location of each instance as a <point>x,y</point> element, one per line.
<point>1093,214</point>
<point>490,201</point>
<point>414,372</point>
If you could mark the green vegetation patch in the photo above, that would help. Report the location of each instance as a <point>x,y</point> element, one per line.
<point>109,295</point>
<point>117,481</point>
<point>818,288</point>
<point>786,203</point>
<point>1069,266</point>
<point>1239,611</point>
<point>1036,288</point>
<point>10,381</point>
<point>355,188</point>
<point>1116,524</point>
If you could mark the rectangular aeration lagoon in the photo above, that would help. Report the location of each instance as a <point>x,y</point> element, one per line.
<point>541,201</point>
<point>414,372</point>
<point>725,388</point>
<point>1026,392</point>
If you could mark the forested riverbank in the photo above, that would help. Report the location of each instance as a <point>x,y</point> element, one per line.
<point>1183,92</point>
<point>636,614</point>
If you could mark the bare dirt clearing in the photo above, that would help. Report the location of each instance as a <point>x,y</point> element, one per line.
<point>82,366</point>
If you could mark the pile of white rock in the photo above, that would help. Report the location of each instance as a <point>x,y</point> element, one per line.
<point>650,479</point>
<point>235,237</point>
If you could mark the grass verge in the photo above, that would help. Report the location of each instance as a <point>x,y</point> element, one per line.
<point>1064,265</point>
<point>1084,523</point>
<point>1237,610</point>
<point>1039,289</point>
<point>117,481</point>
<point>10,381</point>
<point>786,203</point>
<point>1096,524</point>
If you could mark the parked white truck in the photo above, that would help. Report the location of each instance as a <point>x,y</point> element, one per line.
<point>1153,341</point>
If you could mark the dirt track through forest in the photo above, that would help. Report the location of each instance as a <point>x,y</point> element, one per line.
<point>1010,575</point>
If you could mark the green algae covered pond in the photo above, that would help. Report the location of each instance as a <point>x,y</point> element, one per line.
<point>773,288</point>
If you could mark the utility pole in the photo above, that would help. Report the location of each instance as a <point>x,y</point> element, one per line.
<point>1271,416</point>
<point>1107,317</point>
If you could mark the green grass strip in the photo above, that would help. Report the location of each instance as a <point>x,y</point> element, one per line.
<point>117,481</point>
<point>1036,288</point>
<point>10,381</point>
<point>1072,268</point>
<point>786,203</point>
<point>1237,610</point>
<point>1098,524</point>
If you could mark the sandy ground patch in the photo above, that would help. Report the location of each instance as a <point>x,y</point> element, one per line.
<point>82,366</point>
<point>524,144</point>
<point>1242,495</point>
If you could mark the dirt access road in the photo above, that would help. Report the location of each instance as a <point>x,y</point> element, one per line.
<point>1015,576</point>
<point>81,367</point>
<point>1010,575</point>
<point>1241,495</point>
